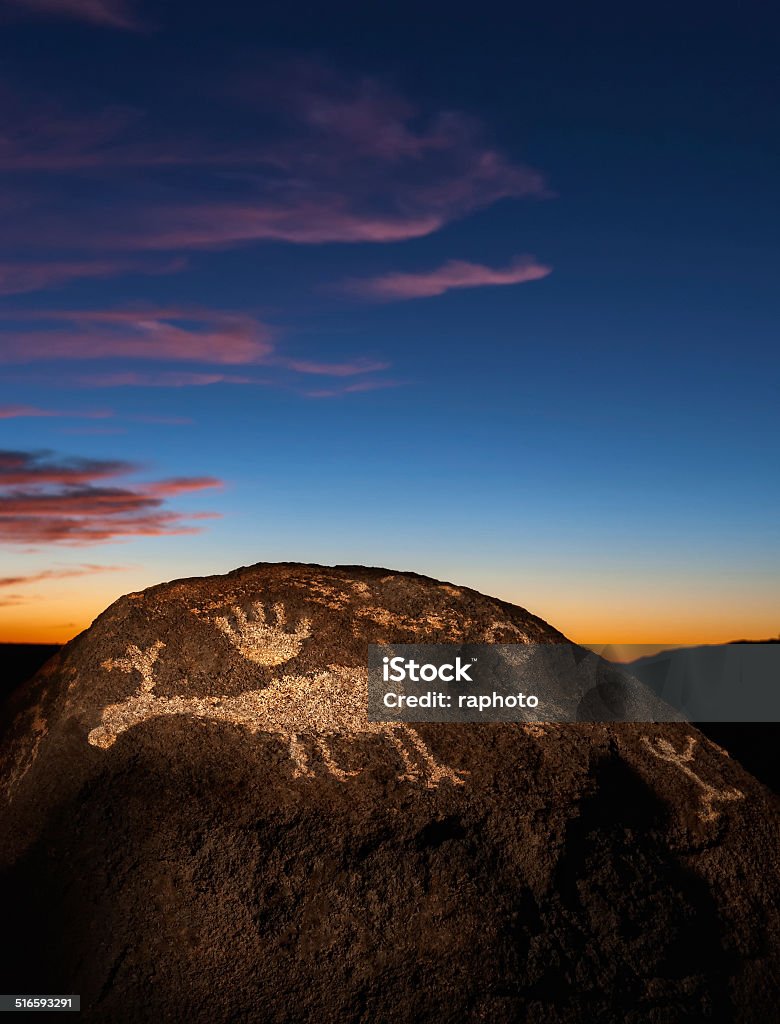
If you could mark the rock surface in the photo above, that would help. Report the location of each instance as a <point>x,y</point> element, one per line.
<point>197,822</point>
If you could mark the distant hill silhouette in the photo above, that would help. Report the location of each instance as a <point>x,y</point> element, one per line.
<point>20,662</point>
<point>774,640</point>
<point>752,743</point>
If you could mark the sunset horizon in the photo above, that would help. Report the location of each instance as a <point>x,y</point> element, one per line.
<point>313,304</point>
<point>581,625</point>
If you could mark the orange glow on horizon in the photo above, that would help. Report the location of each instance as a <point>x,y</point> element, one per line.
<point>56,613</point>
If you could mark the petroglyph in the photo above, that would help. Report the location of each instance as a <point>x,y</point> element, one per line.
<point>336,596</point>
<point>441,623</point>
<point>496,629</point>
<point>538,729</point>
<point>261,641</point>
<point>316,708</point>
<point>137,660</point>
<point>446,623</point>
<point>664,750</point>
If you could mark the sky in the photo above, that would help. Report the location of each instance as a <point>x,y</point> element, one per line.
<point>488,294</point>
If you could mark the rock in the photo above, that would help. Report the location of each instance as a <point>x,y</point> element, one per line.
<point>197,822</point>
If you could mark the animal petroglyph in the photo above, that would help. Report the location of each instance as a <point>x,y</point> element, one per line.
<point>137,660</point>
<point>317,708</point>
<point>260,640</point>
<point>664,750</point>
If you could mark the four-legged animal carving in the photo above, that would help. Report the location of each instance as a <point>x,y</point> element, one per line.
<point>320,707</point>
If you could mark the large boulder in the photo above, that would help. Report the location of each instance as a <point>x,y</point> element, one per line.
<point>199,823</point>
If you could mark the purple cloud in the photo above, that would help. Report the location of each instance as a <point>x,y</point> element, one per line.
<point>347,161</point>
<point>44,500</point>
<point>452,275</point>
<point>111,13</point>
<point>154,334</point>
<point>22,276</point>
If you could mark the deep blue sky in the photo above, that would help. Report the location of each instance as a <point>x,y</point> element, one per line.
<point>598,444</point>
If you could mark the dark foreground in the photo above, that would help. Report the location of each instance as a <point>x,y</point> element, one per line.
<point>199,822</point>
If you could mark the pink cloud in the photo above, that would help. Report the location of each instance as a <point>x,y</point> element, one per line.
<point>78,501</point>
<point>335,369</point>
<point>182,485</point>
<point>167,379</point>
<point>111,13</point>
<point>186,380</point>
<point>314,221</point>
<point>362,113</point>
<point>452,275</point>
<point>72,572</point>
<point>172,335</point>
<point>351,389</point>
<point>12,412</point>
<point>58,574</point>
<point>352,162</point>
<point>85,531</point>
<point>36,468</point>
<point>20,277</point>
<point>154,334</point>
<point>45,136</point>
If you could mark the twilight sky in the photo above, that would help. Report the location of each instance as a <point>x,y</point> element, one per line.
<point>489,294</point>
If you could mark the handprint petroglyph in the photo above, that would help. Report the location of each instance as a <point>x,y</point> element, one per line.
<point>258,639</point>
<point>665,750</point>
<point>317,708</point>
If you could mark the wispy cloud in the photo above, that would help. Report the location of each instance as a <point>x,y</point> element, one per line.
<point>165,379</point>
<point>14,412</point>
<point>49,500</point>
<point>17,278</point>
<point>37,468</point>
<point>352,389</point>
<point>211,339</point>
<point>153,334</point>
<point>176,379</point>
<point>66,573</point>
<point>111,13</point>
<point>314,220</point>
<point>452,275</point>
<point>316,158</point>
<point>46,136</point>
<point>8,600</point>
<point>352,369</point>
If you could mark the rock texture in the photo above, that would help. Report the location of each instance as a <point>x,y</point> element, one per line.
<point>197,822</point>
